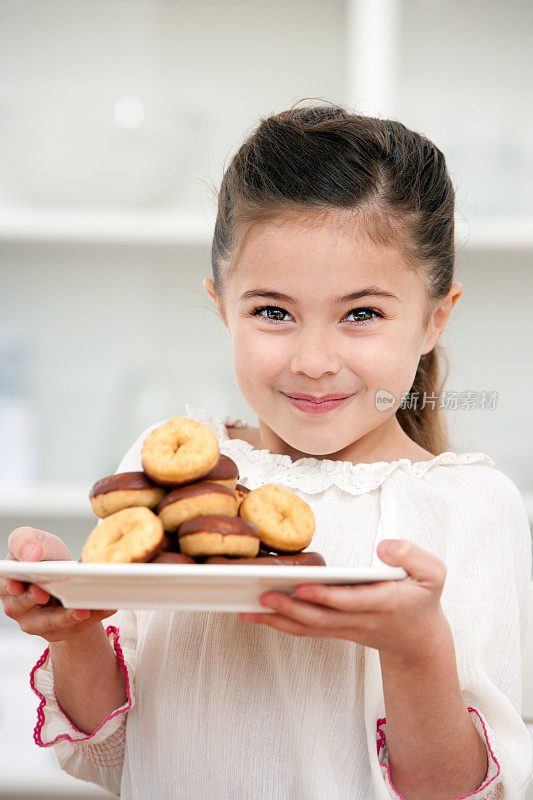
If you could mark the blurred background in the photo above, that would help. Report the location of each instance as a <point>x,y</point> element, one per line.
<point>117,120</point>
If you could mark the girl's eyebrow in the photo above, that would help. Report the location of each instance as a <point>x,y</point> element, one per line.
<point>368,291</point>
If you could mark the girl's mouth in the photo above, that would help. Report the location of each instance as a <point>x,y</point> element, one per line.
<point>317,408</point>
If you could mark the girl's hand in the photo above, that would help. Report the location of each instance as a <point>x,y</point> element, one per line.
<point>395,617</point>
<point>35,611</point>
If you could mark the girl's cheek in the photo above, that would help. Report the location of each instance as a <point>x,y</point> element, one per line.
<point>262,355</point>
<point>389,366</point>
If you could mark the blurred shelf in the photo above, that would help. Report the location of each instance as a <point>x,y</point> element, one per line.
<point>72,500</point>
<point>175,227</point>
<point>24,786</point>
<point>143,226</point>
<point>47,499</point>
<point>494,233</point>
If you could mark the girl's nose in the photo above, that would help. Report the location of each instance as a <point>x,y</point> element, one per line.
<point>315,354</point>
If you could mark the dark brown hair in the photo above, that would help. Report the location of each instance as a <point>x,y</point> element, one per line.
<point>325,159</point>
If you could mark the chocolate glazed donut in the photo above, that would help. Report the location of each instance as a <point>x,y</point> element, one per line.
<point>310,559</point>
<point>215,535</point>
<point>166,557</point>
<point>240,492</point>
<point>225,472</point>
<point>193,500</point>
<point>124,490</point>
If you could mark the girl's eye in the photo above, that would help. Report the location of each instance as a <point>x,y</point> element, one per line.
<point>366,311</point>
<point>357,311</point>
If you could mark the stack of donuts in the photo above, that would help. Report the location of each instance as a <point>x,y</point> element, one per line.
<point>186,507</point>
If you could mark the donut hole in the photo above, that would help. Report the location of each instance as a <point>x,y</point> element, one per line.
<point>114,539</point>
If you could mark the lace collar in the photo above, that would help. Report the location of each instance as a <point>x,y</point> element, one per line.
<point>314,475</point>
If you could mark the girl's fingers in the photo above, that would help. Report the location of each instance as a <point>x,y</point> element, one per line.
<point>377,597</point>
<point>31,544</point>
<point>60,634</point>
<point>282,623</point>
<point>9,586</point>
<point>309,614</point>
<point>40,622</point>
<point>41,595</point>
<point>16,605</point>
<point>14,587</point>
<point>46,546</point>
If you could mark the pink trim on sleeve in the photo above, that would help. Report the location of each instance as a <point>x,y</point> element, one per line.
<point>381,743</point>
<point>111,629</point>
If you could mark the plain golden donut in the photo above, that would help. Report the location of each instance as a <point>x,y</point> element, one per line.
<point>286,522</point>
<point>132,534</point>
<point>179,451</point>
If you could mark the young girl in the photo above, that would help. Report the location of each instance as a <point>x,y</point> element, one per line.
<point>333,264</point>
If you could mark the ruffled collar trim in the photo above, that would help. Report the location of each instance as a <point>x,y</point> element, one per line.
<point>317,473</point>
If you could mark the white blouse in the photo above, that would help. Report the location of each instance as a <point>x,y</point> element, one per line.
<point>223,708</point>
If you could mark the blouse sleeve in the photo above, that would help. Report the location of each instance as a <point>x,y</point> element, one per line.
<point>476,523</point>
<point>98,757</point>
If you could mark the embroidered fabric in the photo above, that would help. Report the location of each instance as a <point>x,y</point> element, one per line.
<point>490,789</point>
<point>313,475</point>
<point>41,682</point>
<point>109,753</point>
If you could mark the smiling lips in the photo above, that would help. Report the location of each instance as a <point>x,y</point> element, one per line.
<point>312,406</point>
<point>313,399</point>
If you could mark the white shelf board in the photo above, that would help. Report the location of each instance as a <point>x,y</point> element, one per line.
<point>19,782</point>
<point>70,499</point>
<point>181,227</point>
<point>493,233</point>
<point>140,226</point>
<point>47,499</point>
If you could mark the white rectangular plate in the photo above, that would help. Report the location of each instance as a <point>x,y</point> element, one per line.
<point>195,587</point>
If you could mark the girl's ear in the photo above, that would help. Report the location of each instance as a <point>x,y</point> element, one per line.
<point>440,317</point>
<point>209,286</point>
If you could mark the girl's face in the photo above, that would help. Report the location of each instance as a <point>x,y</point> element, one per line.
<point>312,342</point>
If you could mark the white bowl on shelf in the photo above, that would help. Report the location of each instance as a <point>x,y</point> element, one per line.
<point>116,151</point>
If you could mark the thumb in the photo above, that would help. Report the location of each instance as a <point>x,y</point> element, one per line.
<point>417,562</point>
<point>393,551</point>
<point>32,544</point>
